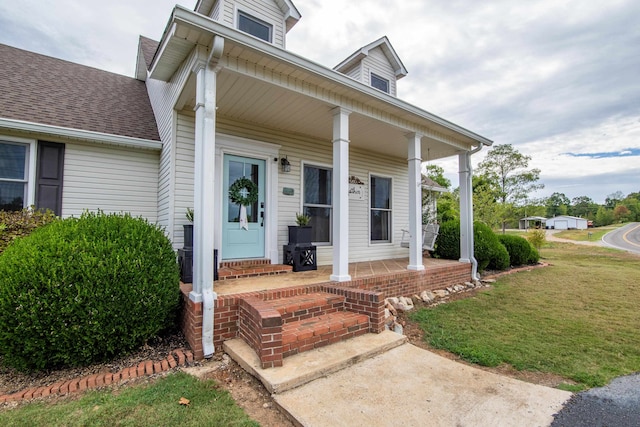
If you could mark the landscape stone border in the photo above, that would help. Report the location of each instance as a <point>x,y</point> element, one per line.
<point>178,357</point>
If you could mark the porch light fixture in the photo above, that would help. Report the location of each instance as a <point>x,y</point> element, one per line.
<point>285,165</point>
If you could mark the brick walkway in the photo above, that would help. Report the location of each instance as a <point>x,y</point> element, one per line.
<point>179,357</point>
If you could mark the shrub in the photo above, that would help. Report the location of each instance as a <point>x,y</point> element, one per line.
<point>85,289</point>
<point>534,256</point>
<point>489,252</point>
<point>487,249</point>
<point>21,223</point>
<point>518,247</point>
<point>537,237</point>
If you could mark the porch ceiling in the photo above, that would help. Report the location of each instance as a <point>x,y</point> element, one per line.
<point>244,99</point>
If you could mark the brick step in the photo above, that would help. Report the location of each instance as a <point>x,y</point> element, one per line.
<point>325,329</point>
<point>245,262</point>
<point>252,270</point>
<point>305,306</point>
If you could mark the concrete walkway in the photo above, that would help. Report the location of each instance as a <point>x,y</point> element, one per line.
<point>353,384</point>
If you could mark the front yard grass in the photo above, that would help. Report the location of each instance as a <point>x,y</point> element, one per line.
<point>577,318</point>
<point>154,404</point>
<point>583,235</point>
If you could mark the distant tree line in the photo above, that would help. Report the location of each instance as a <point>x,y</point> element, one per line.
<point>502,185</point>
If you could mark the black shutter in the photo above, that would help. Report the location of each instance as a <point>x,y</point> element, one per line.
<point>50,167</point>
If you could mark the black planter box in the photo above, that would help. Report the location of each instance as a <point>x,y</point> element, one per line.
<point>300,235</point>
<point>188,235</point>
<point>301,257</point>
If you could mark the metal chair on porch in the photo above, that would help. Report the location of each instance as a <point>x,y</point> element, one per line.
<point>429,235</point>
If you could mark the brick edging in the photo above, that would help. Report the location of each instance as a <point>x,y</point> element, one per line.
<point>178,357</point>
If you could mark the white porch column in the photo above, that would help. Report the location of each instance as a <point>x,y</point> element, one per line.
<point>203,186</point>
<point>415,202</point>
<point>466,207</point>
<point>340,195</point>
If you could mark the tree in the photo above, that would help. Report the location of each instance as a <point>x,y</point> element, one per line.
<point>436,173</point>
<point>604,217</point>
<point>557,204</point>
<point>613,199</point>
<point>583,206</point>
<point>621,213</point>
<point>506,169</point>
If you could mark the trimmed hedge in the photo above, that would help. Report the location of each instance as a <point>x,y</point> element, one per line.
<point>82,290</point>
<point>488,250</point>
<point>14,224</point>
<point>519,249</point>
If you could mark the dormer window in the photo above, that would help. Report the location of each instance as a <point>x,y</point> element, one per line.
<point>254,26</point>
<point>379,83</point>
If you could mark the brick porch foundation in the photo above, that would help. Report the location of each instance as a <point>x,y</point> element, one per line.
<point>226,307</point>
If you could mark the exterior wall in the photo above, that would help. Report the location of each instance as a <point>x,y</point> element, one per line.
<point>356,73</point>
<point>163,98</point>
<point>266,10</point>
<point>184,164</point>
<point>378,63</point>
<point>110,178</point>
<point>571,222</point>
<point>300,151</point>
<point>215,13</point>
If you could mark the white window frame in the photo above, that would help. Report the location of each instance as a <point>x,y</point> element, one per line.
<point>390,210</point>
<point>377,76</point>
<point>258,20</point>
<point>303,205</point>
<point>32,147</point>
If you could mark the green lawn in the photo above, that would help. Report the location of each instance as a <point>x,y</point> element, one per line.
<point>155,404</point>
<point>592,234</point>
<point>578,318</point>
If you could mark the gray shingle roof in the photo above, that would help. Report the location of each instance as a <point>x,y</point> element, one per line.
<point>149,47</point>
<point>41,89</point>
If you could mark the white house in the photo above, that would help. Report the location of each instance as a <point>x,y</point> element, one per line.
<point>219,98</point>
<point>566,222</point>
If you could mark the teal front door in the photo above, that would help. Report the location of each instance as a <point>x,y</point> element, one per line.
<point>243,232</point>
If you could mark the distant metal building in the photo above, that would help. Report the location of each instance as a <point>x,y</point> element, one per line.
<point>532,222</point>
<point>566,222</point>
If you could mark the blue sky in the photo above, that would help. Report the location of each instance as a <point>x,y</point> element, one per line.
<point>558,79</point>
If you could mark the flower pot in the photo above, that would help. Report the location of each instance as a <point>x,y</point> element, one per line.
<point>188,235</point>
<point>300,235</point>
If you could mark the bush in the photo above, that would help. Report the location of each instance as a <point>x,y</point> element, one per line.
<point>537,237</point>
<point>21,223</point>
<point>488,250</point>
<point>518,247</point>
<point>85,289</point>
<point>534,256</point>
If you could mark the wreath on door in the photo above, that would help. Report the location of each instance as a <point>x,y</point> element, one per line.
<point>244,198</point>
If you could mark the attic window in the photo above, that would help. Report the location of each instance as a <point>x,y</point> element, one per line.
<point>254,26</point>
<point>379,83</point>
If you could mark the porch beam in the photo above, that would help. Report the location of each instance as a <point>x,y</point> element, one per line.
<point>415,201</point>
<point>340,195</point>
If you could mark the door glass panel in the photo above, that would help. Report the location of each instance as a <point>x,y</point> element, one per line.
<point>238,170</point>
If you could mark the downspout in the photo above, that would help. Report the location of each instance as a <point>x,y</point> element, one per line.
<point>474,262</point>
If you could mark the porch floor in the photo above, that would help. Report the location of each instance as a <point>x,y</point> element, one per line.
<point>357,270</point>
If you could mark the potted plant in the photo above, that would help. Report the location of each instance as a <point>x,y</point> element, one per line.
<point>188,229</point>
<point>300,234</point>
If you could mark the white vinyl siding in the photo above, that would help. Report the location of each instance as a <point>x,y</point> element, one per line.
<point>185,162</point>
<point>113,179</point>
<point>163,97</point>
<point>267,11</point>
<point>376,62</point>
<point>362,163</point>
<point>355,72</point>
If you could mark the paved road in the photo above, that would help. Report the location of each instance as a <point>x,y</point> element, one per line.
<point>617,404</point>
<point>627,237</point>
